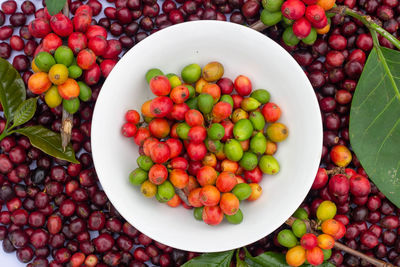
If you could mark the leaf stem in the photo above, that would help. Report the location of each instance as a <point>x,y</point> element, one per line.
<point>368,22</point>
<point>382,58</point>
<point>4,134</point>
<point>343,10</point>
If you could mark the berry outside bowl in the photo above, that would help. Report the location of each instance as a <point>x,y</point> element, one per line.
<point>242,51</point>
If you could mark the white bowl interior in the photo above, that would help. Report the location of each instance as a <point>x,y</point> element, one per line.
<point>242,51</point>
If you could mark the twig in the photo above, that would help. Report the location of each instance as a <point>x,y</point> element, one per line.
<point>258,26</point>
<point>356,253</point>
<point>182,196</point>
<point>67,118</point>
<point>66,128</point>
<point>343,10</point>
<point>367,21</point>
<point>65,9</point>
<point>337,170</point>
<point>312,227</point>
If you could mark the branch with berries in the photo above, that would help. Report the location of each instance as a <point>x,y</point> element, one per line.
<point>313,228</point>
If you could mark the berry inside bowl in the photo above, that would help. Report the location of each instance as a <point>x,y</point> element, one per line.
<point>242,51</point>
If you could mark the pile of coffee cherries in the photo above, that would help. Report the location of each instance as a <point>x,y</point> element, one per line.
<point>206,140</point>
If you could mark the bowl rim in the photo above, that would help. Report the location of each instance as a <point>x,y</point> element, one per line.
<point>95,138</point>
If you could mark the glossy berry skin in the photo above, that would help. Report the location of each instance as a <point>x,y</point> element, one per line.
<point>341,155</point>
<point>309,241</point>
<point>359,186</point>
<point>320,180</point>
<point>77,41</point>
<point>315,14</point>
<point>293,9</point>
<point>339,185</point>
<point>301,28</point>
<point>98,45</point>
<point>369,240</point>
<point>39,28</point>
<point>364,42</point>
<point>129,129</point>
<point>61,25</point>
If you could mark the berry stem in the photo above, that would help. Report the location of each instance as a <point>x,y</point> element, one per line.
<point>66,128</point>
<point>383,60</point>
<point>368,22</point>
<point>67,118</point>
<point>3,134</point>
<point>182,196</point>
<point>343,10</point>
<point>258,26</point>
<point>312,227</point>
<point>337,170</point>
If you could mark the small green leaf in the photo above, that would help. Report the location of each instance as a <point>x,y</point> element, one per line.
<point>25,111</point>
<point>270,259</point>
<point>218,259</point>
<point>375,121</point>
<point>55,6</point>
<point>12,89</point>
<point>48,141</point>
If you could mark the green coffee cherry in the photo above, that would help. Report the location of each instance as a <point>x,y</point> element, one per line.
<point>287,239</point>
<point>137,176</point>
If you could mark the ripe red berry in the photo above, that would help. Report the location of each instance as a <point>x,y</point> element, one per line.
<point>359,186</point>
<point>320,179</point>
<point>293,9</point>
<point>86,59</point>
<point>98,45</point>
<point>61,25</point>
<point>129,129</point>
<point>160,85</point>
<point>315,14</point>
<point>309,241</point>
<point>301,28</point>
<point>132,116</point>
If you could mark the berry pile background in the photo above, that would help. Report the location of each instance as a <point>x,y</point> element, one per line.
<point>333,86</point>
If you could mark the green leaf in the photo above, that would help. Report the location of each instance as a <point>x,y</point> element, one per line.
<point>25,111</point>
<point>239,262</point>
<point>218,259</point>
<point>12,89</point>
<point>273,259</point>
<point>55,6</point>
<point>48,141</point>
<point>270,259</point>
<point>375,121</point>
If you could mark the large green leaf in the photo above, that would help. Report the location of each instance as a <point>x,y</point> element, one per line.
<point>12,89</point>
<point>25,111</point>
<point>55,6</point>
<point>375,121</point>
<point>48,141</point>
<point>218,259</point>
<point>270,259</point>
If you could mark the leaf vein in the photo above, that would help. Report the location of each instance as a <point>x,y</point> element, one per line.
<point>373,90</point>
<point>386,138</point>
<point>380,114</point>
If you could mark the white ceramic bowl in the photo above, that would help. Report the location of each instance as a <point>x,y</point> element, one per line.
<point>242,51</point>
